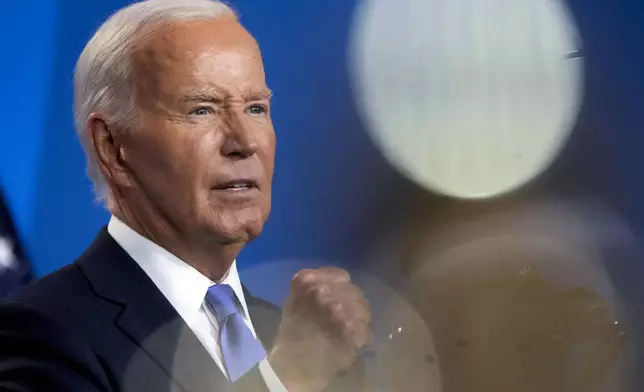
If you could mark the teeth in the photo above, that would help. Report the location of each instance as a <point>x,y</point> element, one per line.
<point>238,186</point>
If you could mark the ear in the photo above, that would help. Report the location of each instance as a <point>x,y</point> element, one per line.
<point>108,151</point>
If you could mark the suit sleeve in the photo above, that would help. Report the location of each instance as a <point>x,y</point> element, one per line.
<point>37,354</point>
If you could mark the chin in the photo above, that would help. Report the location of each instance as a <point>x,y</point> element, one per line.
<point>242,227</point>
<point>241,235</point>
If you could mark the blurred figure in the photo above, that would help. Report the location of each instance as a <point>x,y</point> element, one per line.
<point>173,111</point>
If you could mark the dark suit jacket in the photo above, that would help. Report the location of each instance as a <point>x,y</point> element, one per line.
<point>101,324</point>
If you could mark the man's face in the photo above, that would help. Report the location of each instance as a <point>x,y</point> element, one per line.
<point>203,151</point>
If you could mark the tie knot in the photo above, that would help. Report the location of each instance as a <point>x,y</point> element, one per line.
<point>223,301</point>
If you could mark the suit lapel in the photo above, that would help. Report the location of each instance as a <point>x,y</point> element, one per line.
<point>265,318</point>
<point>149,319</point>
<point>153,324</point>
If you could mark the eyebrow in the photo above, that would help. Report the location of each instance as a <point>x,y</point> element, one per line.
<point>218,99</point>
<point>201,97</point>
<point>258,95</point>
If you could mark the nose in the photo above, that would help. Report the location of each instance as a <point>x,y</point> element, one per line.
<point>239,139</point>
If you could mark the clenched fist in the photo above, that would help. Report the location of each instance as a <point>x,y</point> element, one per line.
<point>325,324</point>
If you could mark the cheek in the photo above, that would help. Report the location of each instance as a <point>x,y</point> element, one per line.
<point>149,160</point>
<point>189,150</point>
<point>188,179</point>
<point>201,157</point>
<point>268,150</point>
<point>168,162</point>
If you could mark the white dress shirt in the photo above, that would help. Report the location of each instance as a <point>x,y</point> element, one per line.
<point>185,288</point>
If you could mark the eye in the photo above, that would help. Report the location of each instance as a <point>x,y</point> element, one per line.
<point>257,110</point>
<point>201,111</point>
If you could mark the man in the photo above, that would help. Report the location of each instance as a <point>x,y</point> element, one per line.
<point>173,111</point>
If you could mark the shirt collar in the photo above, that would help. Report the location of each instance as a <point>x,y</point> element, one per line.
<point>183,286</point>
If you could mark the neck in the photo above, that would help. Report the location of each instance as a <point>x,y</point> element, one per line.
<point>211,258</point>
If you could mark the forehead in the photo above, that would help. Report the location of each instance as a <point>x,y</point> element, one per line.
<point>208,55</point>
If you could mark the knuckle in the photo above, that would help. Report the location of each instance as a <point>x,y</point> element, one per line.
<point>304,277</point>
<point>349,328</point>
<point>355,294</point>
<point>321,292</point>
<point>362,340</point>
<point>343,275</point>
<point>362,316</point>
<point>336,309</point>
<point>319,296</point>
<point>337,274</point>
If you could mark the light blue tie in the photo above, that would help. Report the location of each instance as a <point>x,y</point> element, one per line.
<point>239,347</point>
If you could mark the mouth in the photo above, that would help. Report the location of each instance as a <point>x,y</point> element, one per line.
<point>237,185</point>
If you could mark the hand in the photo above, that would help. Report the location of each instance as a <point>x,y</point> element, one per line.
<point>325,324</point>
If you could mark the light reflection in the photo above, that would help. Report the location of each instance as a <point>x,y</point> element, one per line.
<point>518,298</point>
<point>470,99</point>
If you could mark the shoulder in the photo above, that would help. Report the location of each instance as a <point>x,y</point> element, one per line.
<point>61,301</point>
<point>46,308</point>
<point>39,353</point>
<point>57,295</point>
<point>70,296</point>
<point>24,325</point>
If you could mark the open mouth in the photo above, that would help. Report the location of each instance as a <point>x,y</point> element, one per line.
<point>237,185</point>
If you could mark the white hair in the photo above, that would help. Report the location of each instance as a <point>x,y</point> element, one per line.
<point>103,79</point>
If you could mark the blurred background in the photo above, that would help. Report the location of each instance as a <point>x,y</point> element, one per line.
<point>475,163</point>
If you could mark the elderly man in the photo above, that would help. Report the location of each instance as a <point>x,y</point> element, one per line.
<point>173,111</point>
